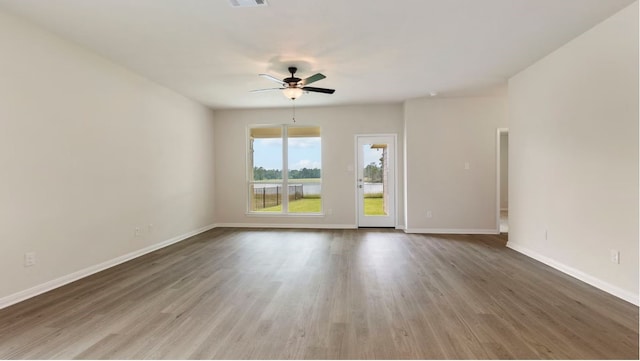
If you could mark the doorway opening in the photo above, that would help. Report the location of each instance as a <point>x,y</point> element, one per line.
<point>502,180</point>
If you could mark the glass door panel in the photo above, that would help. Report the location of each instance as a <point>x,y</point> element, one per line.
<point>376,192</point>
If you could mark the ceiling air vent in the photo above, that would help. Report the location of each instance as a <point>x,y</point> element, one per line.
<point>247,3</point>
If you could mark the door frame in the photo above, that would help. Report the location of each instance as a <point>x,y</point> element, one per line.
<point>499,133</point>
<point>395,174</point>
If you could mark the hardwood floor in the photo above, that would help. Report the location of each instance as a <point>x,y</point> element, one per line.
<point>338,294</point>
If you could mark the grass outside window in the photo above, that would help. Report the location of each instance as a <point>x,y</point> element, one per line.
<point>372,206</point>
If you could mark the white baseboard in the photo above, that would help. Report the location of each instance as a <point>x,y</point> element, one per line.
<point>400,227</point>
<point>593,281</point>
<point>451,231</point>
<point>61,281</point>
<point>285,225</point>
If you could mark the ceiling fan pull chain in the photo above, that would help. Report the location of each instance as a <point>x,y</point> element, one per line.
<point>294,109</point>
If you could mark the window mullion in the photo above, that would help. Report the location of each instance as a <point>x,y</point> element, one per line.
<point>285,170</point>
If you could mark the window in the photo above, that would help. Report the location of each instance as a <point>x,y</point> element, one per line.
<point>273,149</point>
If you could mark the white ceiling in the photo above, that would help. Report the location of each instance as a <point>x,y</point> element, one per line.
<point>370,51</point>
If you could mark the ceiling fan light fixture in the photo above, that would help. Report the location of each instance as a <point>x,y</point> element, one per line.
<point>292,93</point>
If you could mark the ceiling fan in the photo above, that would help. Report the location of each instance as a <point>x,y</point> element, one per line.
<point>293,87</point>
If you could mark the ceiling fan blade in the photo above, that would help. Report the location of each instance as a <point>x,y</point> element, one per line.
<point>312,79</point>
<point>272,78</point>
<point>318,90</point>
<point>264,90</point>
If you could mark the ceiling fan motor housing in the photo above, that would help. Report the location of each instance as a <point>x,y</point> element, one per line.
<point>292,81</point>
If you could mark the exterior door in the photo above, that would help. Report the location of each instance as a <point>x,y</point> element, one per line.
<point>376,201</point>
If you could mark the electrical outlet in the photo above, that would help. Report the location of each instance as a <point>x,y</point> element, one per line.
<point>329,211</point>
<point>429,214</point>
<point>136,232</point>
<point>150,228</point>
<point>615,256</point>
<point>467,166</point>
<point>29,259</point>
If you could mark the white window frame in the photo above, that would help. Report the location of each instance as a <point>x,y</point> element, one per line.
<point>285,173</point>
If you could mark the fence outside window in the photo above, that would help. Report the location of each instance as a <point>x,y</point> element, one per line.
<point>271,195</point>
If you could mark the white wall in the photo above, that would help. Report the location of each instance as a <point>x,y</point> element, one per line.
<point>442,134</point>
<point>504,171</point>
<point>574,156</point>
<point>339,125</point>
<point>88,152</point>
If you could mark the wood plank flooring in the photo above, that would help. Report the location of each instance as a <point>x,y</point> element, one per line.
<point>324,294</point>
